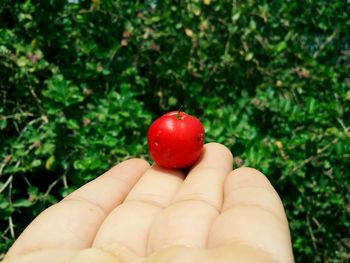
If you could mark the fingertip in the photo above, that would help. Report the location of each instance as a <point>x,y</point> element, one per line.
<point>215,155</point>
<point>127,165</point>
<point>135,162</point>
<point>247,177</point>
<point>247,169</point>
<point>219,148</point>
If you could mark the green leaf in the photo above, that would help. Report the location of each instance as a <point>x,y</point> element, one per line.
<point>63,91</point>
<point>22,203</point>
<point>249,56</point>
<point>178,25</point>
<point>73,124</point>
<point>36,163</point>
<point>156,19</point>
<point>311,106</point>
<point>236,16</point>
<point>281,46</point>
<point>50,163</point>
<point>3,123</point>
<point>172,101</point>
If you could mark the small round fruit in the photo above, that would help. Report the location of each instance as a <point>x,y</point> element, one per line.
<point>175,140</point>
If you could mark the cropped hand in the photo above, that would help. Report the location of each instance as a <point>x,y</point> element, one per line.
<point>135,213</point>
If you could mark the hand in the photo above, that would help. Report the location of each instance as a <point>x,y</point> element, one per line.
<point>135,213</point>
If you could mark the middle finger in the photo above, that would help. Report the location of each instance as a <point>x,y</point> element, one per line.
<point>198,201</point>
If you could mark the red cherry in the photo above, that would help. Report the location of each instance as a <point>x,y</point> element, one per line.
<point>175,140</point>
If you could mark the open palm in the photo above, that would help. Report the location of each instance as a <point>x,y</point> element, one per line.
<point>139,214</point>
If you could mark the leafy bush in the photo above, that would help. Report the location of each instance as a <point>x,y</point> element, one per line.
<point>81,81</point>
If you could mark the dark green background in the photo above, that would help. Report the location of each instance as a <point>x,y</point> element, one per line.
<point>81,82</point>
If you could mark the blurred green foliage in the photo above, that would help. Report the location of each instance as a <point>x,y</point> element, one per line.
<point>81,81</point>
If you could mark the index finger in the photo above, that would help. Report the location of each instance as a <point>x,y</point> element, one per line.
<point>73,222</point>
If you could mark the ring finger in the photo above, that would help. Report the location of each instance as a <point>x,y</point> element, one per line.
<point>128,225</point>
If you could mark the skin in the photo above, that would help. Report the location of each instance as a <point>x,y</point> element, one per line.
<point>135,213</point>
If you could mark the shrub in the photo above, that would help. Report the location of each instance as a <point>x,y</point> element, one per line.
<point>81,81</point>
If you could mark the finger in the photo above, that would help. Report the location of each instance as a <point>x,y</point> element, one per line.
<point>73,222</point>
<point>111,188</point>
<point>253,215</point>
<point>129,224</point>
<point>187,220</point>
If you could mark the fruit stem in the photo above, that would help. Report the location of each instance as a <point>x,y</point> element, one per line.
<point>178,113</point>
